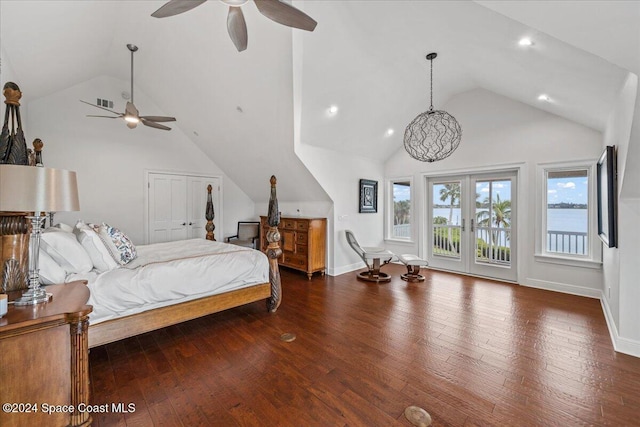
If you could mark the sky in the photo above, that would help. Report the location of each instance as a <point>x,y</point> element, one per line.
<point>569,190</point>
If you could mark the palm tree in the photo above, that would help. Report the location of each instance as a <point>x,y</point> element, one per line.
<point>450,192</point>
<point>502,215</point>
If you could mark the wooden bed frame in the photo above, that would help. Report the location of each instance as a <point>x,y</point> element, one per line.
<point>128,326</point>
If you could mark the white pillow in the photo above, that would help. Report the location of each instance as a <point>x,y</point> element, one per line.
<point>65,250</point>
<point>117,243</point>
<point>97,251</point>
<point>50,272</point>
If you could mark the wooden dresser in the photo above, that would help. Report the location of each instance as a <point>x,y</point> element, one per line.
<point>44,360</point>
<point>303,241</point>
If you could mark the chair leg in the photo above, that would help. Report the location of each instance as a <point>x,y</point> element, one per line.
<point>413,274</point>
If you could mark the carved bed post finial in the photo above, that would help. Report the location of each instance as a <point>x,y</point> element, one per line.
<point>12,94</point>
<point>273,250</point>
<point>37,149</point>
<point>210,214</point>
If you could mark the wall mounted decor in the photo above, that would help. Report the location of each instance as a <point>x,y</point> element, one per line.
<point>607,186</point>
<point>434,134</point>
<point>368,196</point>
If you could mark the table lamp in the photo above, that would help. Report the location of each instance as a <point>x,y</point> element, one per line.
<point>36,190</point>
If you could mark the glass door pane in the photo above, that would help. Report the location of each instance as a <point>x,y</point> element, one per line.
<point>493,222</point>
<point>446,219</point>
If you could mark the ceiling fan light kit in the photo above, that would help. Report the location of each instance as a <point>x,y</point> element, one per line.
<point>131,114</point>
<point>276,10</point>
<point>434,134</point>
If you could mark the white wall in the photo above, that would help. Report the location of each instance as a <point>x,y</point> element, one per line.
<point>621,268</point>
<point>339,175</point>
<point>499,131</point>
<point>111,159</point>
<point>618,133</point>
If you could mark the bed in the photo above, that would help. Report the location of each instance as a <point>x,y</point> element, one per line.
<point>172,282</point>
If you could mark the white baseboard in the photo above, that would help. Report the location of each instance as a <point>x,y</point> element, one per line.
<point>620,344</point>
<point>562,287</point>
<point>345,269</point>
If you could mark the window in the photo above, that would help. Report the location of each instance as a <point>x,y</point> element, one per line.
<point>400,215</point>
<point>567,214</point>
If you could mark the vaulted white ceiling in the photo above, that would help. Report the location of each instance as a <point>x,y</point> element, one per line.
<point>366,57</point>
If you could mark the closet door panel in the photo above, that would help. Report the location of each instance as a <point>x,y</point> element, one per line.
<point>167,208</point>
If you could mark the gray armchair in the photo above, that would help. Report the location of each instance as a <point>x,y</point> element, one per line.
<point>374,258</point>
<point>248,235</point>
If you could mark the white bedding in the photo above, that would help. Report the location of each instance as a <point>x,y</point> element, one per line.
<point>172,272</point>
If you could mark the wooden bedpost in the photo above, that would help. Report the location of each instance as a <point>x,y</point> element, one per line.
<point>14,227</point>
<point>209,215</point>
<point>273,250</point>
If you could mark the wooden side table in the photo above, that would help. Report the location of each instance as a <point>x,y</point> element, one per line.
<point>44,360</point>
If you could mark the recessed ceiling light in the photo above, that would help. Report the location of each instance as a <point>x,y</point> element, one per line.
<point>333,109</point>
<point>390,132</point>
<point>544,98</point>
<point>525,41</point>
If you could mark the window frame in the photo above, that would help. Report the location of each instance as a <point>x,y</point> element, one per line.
<point>390,209</point>
<point>593,258</point>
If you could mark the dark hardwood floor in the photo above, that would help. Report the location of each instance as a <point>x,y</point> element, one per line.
<point>469,351</point>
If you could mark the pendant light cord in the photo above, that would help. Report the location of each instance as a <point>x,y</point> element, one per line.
<point>431,107</point>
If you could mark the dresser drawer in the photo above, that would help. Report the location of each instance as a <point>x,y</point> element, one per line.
<point>302,238</point>
<point>302,225</point>
<point>295,260</point>
<point>302,250</point>
<point>288,224</point>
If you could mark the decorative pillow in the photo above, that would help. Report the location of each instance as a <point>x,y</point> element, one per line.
<point>92,243</point>
<point>65,250</point>
<point>50,272</point>
<point>117,243</point>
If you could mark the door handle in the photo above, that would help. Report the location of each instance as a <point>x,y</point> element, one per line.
<point>190,223</point>
<point>462,224</point>
<point>472,225</point>
<point>184,223</point>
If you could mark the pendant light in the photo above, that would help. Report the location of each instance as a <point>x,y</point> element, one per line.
<point>434,134</point>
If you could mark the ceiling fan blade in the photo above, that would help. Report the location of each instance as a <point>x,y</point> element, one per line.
<point>237,28</point>
<point>176,7</point>
<point>285,14</point>
<point>131,125</point>
<point>106,117</point>
<point>102,108</point>
<point>154,124</point>
<point>158,118</point>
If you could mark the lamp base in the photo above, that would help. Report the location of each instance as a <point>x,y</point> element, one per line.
<point>32,298</point>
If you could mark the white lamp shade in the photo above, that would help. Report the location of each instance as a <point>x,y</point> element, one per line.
<point>37,189</point>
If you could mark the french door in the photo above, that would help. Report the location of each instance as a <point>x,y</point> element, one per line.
<point>472,224</point>
<point>177,204</point>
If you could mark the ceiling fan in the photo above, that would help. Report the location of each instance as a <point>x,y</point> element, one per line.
<point>275,10</point>
<point>131,115</point>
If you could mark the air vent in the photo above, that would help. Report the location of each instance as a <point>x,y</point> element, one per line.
<point>104,103</point>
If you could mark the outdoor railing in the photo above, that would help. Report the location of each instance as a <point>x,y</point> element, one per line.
<point>567,242</point>
<point>402,230</point>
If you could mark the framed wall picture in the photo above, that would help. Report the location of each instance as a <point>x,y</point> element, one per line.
<point>368,196</point>
<point>607,197</point>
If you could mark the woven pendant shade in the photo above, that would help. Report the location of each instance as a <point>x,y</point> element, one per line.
<point>434,134</point>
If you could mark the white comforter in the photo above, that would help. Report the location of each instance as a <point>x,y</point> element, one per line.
<point>172,272</point>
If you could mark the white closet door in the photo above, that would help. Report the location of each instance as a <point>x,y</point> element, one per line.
<point>167,207</point>
<point>197,197</point>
